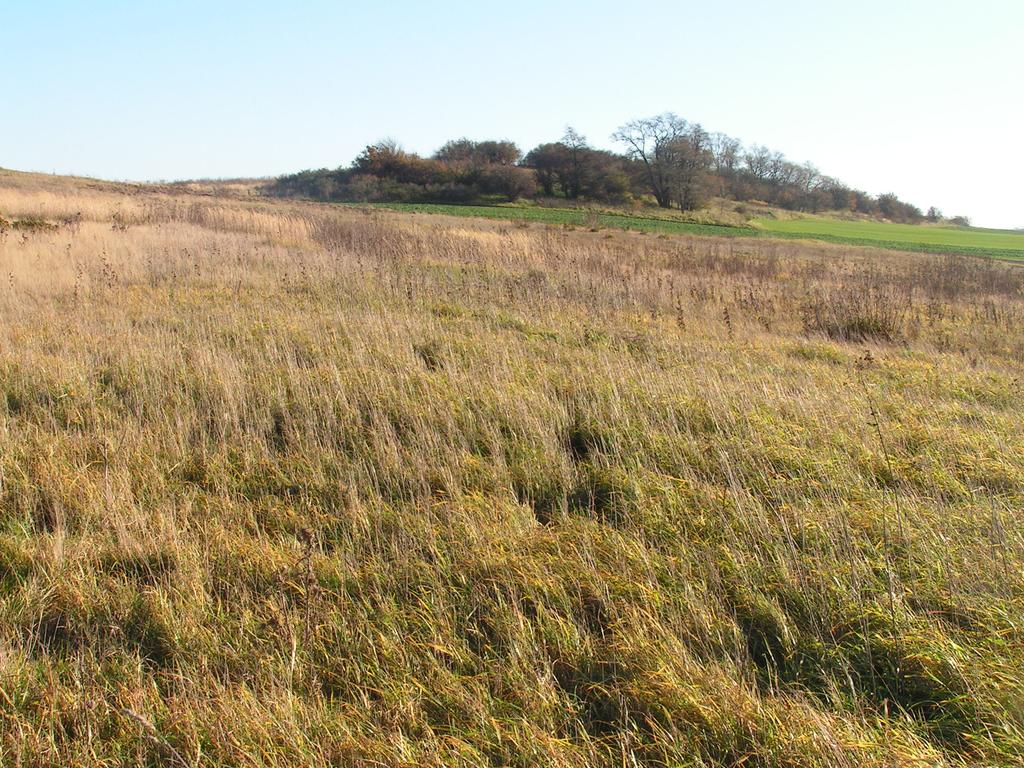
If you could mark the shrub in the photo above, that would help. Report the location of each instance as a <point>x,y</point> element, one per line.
<point>851,313</point>
<point>34,224</point>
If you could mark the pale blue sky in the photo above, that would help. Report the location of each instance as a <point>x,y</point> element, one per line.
<point>923,98</point>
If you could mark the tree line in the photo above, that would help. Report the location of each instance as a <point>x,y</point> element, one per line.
<point>666,160</point>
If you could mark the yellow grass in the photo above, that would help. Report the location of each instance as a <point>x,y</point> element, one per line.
<point>282,484</point>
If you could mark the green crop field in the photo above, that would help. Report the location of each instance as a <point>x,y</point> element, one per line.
<point>1002,244</point>
<point>575,217</point>
<point>983,242</point>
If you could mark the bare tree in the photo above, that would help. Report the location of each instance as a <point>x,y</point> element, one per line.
<point>725,151</point>
<point>808,177</point>
<point>648,141</point>
<point>689,160</point>
<point>576,150</point>
<point>757,162</point>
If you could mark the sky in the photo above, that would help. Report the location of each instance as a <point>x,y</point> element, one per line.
<point>921,98</point>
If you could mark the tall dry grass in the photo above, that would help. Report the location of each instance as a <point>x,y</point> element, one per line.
<point>293,485</point>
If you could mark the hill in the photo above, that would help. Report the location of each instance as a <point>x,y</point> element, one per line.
<point>667,163</point>
<point>290,484</point>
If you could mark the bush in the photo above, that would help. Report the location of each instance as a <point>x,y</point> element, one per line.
<point>33,224</point>
<point>509,181</point>
<point>854,313</point>
<point>318,185</point>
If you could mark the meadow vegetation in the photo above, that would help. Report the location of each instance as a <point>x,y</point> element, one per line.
<point>288,485</point>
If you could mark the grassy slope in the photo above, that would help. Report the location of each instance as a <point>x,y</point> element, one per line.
<point>289,485</point>
<point>1001,244</point>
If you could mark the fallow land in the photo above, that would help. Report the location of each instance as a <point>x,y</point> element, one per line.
<point>291,484</point>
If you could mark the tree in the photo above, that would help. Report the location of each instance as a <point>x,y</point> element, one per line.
<point>757,161</point>
<point>498,152</point>
<point>934,214</point>
<point>576,149</point>
<point>688,159</point>
<point>603,176</point>
<point>478,153</point>
<point>675,157</point>
<point>561,163</point>
<point>725,153</point>
<point>838,196</point>
<point>572,168</point>
<point>387,160</point>
<point>486,167</point>
<point>649,142</point>
<point>888,204</point>
<point>891,207</point>
<point>548,162</point>
<point>509,181</point>
<point>456,151</point>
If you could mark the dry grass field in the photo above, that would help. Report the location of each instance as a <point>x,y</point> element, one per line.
<point>293,485</point>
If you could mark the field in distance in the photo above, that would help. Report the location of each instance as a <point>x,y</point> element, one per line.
<point>1002,244</point>
<point>999,243</point>
<point>575,217</point>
